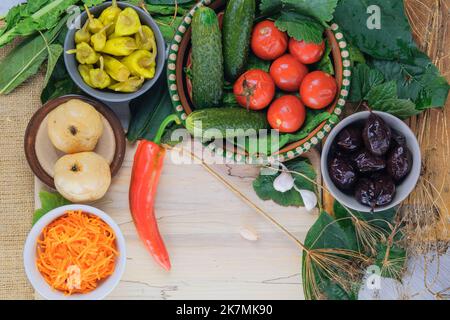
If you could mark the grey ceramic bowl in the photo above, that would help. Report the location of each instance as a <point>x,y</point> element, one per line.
<point>403,189</point>
<point>106,95</point>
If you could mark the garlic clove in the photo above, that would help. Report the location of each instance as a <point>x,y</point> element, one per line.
<point>248,234</point>
<point>284,182</point>
<point>309,199</point>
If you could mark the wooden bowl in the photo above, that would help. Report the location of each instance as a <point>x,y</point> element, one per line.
<point>42,155</point>
<point>179,86</point>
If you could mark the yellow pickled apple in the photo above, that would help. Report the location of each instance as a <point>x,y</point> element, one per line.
<point>145,38</point>
<point>116,69</point>
<point>122,46</point>
<point>98,40</point>
<point>141,63</point>
<point>99,78</point>
<point>95,25</point>
<point>133,84</point>
<point>128,22</point>
<point>109,16</point>
<point>85,54</point>
<point>83,34</point>
<point>84,70</point>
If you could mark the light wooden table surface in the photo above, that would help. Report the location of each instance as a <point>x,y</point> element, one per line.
<point>201,220</point>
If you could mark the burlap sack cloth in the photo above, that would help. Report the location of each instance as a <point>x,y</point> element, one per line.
<point>16,186</point>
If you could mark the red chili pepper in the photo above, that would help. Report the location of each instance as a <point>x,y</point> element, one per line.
<point>147,167</point>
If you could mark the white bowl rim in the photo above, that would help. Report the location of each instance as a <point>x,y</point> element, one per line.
<point>407,185</point>
<point>35,277</point>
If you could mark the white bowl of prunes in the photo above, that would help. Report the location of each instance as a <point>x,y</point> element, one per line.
<point>371,161</point>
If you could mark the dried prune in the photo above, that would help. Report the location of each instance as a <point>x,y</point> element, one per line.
<point>399,162</point>
<point>366,193</point>
<point>398,139</point>
<point>342,173</point>
<point>367,162</point>
<point>349,139</point>
<point>377,135</point>
<point>384,189</point>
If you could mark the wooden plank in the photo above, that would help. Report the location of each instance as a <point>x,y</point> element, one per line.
<point>201,220</point>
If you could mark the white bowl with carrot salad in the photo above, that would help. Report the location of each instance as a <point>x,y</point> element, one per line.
<point>75,252</point>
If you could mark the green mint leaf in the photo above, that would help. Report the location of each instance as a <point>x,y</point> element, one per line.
<point>300,27</point>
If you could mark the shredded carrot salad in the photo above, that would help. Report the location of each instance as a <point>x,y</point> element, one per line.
<point>75,252</point>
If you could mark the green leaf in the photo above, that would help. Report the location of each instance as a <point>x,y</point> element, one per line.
<point>417,79</point>
<point>263,184</point>
<point>326,64</point>
<point>384,98</point>
<point>327,233</point>
<point>47,17</point>
<point>92,3</point>
<point>300,27</point>
<point>270,6</point>
<point>356,56</point>
<point>322,10</point>
<point>49,201</point>
<point>25,60</point>
<point>394,39</point>
<point>364,79</point>
<point>256,63</point>
<point>272,145</point>
<point>391,260</point>
<point>54,52</point>
<point>148,112</point>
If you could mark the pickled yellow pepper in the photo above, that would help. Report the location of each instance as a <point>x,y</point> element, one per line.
<point>141,63</point>
<point>85,54</point>
<point>95,25</point>
<point>128,22</point>
<point>131,85</point>
<point>116,69</point>
<point>110,16</point>
<point>99,78</point>
<point>122,46</point>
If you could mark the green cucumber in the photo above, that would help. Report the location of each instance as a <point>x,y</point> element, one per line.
<point>210,121</point>
<point>207,59</point>
<point>237,29</point>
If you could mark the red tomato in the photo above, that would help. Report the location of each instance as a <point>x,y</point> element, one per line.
<point>288,73</point>
<point>306,53</point>
<point>254,90</point>
<point>268,42</point>
<point>287,114</point>
<point>318,90</point>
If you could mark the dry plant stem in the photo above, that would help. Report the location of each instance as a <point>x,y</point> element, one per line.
<point>243,197</point>
<point>368,235</point>
<point>336,264</point>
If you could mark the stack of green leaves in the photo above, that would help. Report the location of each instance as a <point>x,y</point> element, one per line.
<point>395,76</point>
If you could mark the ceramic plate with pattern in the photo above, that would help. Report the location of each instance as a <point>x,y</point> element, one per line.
<point>178,59</point>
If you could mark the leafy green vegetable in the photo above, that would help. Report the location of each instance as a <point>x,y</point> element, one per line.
<point>383,97</point>
<point>263,185</point>
<point>54,52</point>
<point>270,6</point>
<point>45,18</point>
<point>25,59</point>
<point>326,64</point>
<point>392,41</point>
<point>256,63</point>
<point>326,233</point>
<point>272,145</point>
<point>364,78</point>
<point>49,201</point>
<point>300,27</point>
<point>148,111</point>
<point>417,79</point>
<point>322,10</point>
